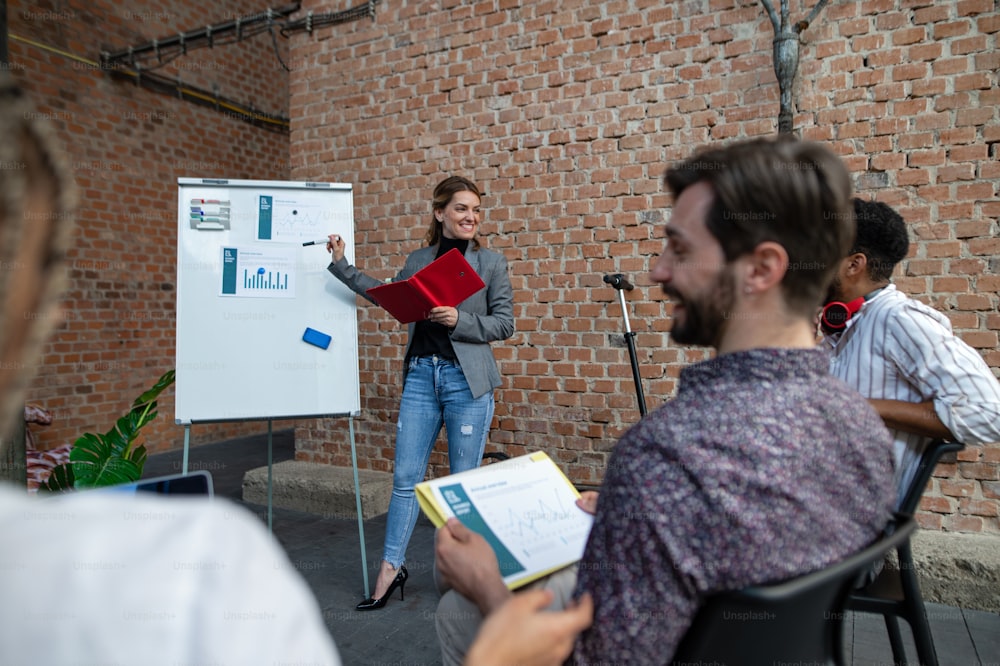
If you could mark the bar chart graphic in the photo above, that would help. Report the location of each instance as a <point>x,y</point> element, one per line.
<point>251,273</point>
<point>265,279</point>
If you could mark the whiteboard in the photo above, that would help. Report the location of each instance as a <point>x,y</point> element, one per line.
<point>247,290</point>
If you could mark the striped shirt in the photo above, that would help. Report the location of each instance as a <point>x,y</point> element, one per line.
<point>897,348</point>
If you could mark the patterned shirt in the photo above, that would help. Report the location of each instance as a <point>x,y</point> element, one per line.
<point>897,348</point>
<point>763,467</point>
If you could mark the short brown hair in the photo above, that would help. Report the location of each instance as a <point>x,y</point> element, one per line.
<point>795,193</point>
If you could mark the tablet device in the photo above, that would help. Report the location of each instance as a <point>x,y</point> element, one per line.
<point>193,483</point>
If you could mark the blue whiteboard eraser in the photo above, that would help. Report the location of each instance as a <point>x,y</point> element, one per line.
<point>314,337</point>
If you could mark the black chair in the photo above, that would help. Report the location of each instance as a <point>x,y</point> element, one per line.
<point>797,621</point>
<point>895,592</point>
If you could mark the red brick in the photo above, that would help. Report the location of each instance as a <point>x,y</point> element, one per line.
<point>910,107</point>
<point>970,45</point>
<point>910,71</point>
<point>956,101</point>
<point>957,136</point>
<point>891,21</point>
<point>986,247</point>
<point>957,488</point>
<point>931,87</point>
<point>973,116</point>
<point>914,35</point>
<point>988,24</point>
<point>909,141</point>
<point>983,340</point>
<point>928,521</point>
<point>976,191</point>
<point>948,174</point>
<point>935,14</point>
<point>950,284</point>
<point>887,57</point>
<point>945,249</point>
<point>950,66</point>
<point>943,31</point>
<point>972,229</point>
<point>889,91</point>
<point>957,523</point>
<point>927,158</point>
<point>973,302</point>
<point>973,7</point>
<point>936,504</point>
<point>983,508</point>
<point>977,81</point>
<point>853,27</point>
<point>967,267</point>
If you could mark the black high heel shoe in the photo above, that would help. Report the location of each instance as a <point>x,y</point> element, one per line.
<point>374,604</point>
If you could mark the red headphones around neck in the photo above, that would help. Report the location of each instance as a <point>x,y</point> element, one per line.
<point>836,314</point>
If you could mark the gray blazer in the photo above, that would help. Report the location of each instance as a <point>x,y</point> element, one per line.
<point>485,316</point>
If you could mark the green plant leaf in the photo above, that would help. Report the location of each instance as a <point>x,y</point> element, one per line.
<point>163,382</point>
<point>124,433</point>
<point>145,416</point>
<point>108,459</point>
<point>94,465</point>
<point>138,456</point>
<point>60,479</point>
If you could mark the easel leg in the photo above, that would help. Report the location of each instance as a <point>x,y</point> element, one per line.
<point>357,502</point>
<point>187,447</point>
<point>270,470</point>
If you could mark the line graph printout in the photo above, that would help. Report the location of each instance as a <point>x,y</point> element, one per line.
<point>252,273</point>
<point>525,508</point>
<point>286,218</point>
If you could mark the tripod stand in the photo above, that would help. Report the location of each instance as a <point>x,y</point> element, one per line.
<point>618,281</point>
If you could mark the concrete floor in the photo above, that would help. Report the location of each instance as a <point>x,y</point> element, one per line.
<point>327,552</point>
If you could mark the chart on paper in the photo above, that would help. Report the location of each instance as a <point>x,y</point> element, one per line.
<point>533,521</point>
<point>256,274</point>
<point>288,219</point>
<point>526,510</point>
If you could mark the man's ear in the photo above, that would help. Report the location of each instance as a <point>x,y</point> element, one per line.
<point>767,265</point>
<point>856,264</point>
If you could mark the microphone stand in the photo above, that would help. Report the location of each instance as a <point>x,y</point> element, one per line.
<point>618,281</point>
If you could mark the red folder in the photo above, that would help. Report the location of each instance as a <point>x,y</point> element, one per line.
<point>448,280</point>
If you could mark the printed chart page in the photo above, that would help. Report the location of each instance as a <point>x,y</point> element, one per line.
<point>251,273</point>
<point>524,507</point>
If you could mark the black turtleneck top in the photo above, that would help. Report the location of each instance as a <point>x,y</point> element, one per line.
<point>431,338</point>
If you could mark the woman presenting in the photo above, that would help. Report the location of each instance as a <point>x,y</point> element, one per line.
<point>449,370</point>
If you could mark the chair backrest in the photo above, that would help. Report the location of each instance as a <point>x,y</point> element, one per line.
<point>795,621</point>
<point>928,461</point>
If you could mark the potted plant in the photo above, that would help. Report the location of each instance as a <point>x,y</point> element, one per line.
<point>110,459</point>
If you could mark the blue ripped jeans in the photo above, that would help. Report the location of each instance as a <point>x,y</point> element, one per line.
<point>435,393</point>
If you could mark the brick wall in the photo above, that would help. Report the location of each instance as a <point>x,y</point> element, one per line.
<point>127,147</point>
<point>567,112</point>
